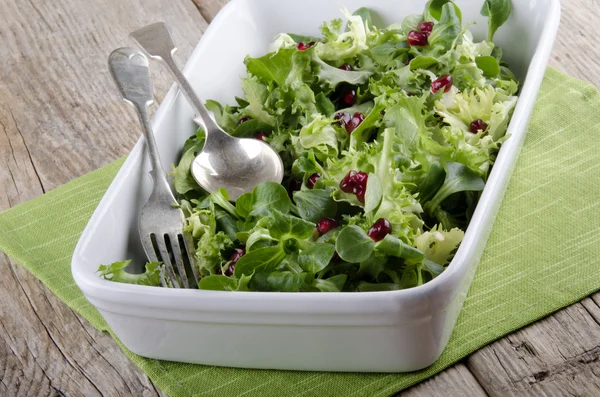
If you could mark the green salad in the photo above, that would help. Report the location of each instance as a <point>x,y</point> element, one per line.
<point>387,136</point>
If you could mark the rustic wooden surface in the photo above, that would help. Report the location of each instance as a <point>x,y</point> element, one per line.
<point>60,118</point>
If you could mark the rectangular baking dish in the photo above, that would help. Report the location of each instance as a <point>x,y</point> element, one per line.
<point>390,331</point>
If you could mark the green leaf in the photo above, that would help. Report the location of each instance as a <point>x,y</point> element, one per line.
<point>243,205</point>
<point>218,283</point>
<point>385,53</point>
<point>435,8</point>
<point>116,272</point>
<point>432,182</point>
<point>221,198</point>
<point>332,284</point>
<point>333,76</point>
<point>411,22</point>
<point>365,14</point>
<point>488,65</point>
<point>459,178</point>
<point>256,94</point>
<point>269,197</point>
<point>374,193</point>
<point>315,204</point>
<point>183,181</point>
<point>316,257</point>
<point>226,222</point>
<point>409,278</point>
<point>261,260</point>
<point>286,281</point>
<point>353,245</point>
<point>284,226</point>
<point>498,12</point>
<point>423,62</point>
<point>273,67</point>
<point>324,104</point>
<point>393,246</point>
<point>250,128</point>
<point>433,268</point>
<point>447,30</point>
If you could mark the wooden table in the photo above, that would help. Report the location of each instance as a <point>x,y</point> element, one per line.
<point>60,118</point>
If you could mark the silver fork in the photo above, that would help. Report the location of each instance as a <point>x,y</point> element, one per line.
<point>161,220</point>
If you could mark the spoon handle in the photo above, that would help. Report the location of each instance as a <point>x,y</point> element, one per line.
<point>156,40</point>
<point>129,69</point>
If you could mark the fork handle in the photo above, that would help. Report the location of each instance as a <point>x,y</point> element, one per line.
<point>161,184</point>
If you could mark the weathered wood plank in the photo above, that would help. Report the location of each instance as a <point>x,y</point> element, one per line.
<point>60,117</point>
<point>557,356</point>
<point>575,50</point>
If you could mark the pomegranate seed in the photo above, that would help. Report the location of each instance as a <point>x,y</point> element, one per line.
<point>347,184</point>
<point>360,178</point>
<point>261,136</point>
<point>239,252</point>
<point>380,229</point>
<point>417,39</point>
<point>326,224</point>
<point>426,27</point>
<point>347,67</point>
<point>477,125</point>
<point>342,117</point>
<point>336,258</point>
<point>349,97</point>
<point>444,81</point>
<point>301,46</point>
<point>243,120</point>
<point>360,185</point>
<point>360,192</point>
<point>310,182</point>
<point>354,122</point>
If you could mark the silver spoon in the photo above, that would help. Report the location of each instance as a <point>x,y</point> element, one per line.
<point>236,164</point>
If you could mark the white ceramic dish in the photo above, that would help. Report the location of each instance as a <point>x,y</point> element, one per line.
<point>373,332</point>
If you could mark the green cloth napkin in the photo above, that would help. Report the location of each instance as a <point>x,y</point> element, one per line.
<point>543,254</point>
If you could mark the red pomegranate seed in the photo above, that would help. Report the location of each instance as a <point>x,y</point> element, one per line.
<point>349,97</point>
<point>426,27</point>
<point>326,224</point>
<point>310,182</point>
<point>477,125</point>
<point>239,252</point>
<point>354,122</point>
<point>347,67</point>
<point>360,192</point>
<point>360,178</point>
<point>243,120</point>
<point>261,136</point>
<point>336,258</point>
<point>380,229</point>
<point>347,184</point>
<point>342,117</point>
<point>417,39</point>
<point>444,81</point>
<point>360,185</point>
<point>301,46</point>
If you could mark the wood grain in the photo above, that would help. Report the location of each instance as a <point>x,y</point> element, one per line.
<point>60,118</point>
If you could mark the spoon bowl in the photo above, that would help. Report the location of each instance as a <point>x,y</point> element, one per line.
<point>235,164</point>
